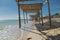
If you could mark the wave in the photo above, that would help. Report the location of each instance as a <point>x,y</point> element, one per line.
<point>10,32</point>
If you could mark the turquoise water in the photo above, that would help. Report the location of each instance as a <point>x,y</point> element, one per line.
<point>4,23</point>
<point>9,29</point>
<point>9,22</point>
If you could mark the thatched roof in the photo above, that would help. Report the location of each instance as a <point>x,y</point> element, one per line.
<point>31,7</point>
<point>33,16</point>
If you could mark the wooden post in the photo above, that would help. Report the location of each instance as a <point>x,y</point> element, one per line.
<point>24,17</point>
<point>49,12</point>
<point>41,17</point>
<point>19,15</point>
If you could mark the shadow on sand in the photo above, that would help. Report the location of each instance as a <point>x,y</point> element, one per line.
<point>46,26</point>
<point>57,37</point>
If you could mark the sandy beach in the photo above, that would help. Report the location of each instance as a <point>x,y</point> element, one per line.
<point>33,32</point>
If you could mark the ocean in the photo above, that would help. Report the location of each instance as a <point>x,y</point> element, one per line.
<point>9,29</point>
<point>4,23</point>
<point>9,22</point>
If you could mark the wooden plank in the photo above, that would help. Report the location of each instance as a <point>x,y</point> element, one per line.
<point>49,12</point>
<point>42,17</point>
<point>19,15</point>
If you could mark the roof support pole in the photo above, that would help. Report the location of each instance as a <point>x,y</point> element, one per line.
<point>19,15</point>
<point>24,17</point>
<point>49,12</point>
<point>41,16</point>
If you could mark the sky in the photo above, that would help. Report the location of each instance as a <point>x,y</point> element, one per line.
<point>9,9</point>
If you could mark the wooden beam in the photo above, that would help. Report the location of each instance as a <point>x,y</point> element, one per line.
<point>41,16</point>
<point>19,15</point>
<point>24,17</point>
<point>49,12</point>
<point>22,0</point>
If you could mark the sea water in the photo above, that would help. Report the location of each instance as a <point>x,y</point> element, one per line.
<point>9,29</point>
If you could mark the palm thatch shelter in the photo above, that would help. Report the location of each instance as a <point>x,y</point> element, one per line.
<point>37,7</point>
